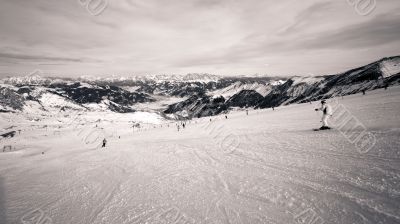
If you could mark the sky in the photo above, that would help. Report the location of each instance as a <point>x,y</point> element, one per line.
<point>72,38</point>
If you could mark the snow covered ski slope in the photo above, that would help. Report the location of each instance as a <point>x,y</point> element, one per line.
<point>267,167</point>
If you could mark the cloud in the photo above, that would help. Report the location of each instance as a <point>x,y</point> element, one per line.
<point>305,17</point>
<point>381,30</point>
<point>221,36</point>
<point>37,57</point>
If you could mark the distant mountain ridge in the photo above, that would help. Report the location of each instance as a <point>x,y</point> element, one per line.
<point>191,77</point>
<point>380,74</point>
<point>202,94</point>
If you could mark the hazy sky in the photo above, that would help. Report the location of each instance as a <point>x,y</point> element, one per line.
<point>224,37</point>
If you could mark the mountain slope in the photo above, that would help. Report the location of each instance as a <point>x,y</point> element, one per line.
<point>65,96</point>
<point>380,74</point>
<point>245,98</point>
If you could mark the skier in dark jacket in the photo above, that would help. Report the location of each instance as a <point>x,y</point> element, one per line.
<point>104,143</point>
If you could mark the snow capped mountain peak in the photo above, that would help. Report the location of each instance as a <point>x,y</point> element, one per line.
<point>191,77</point>
<point>34,79</point>
<point>201,77</point>
<point>277,83</point>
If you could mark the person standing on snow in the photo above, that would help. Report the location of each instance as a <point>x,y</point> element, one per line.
<point>104,143</point>
<point>326,113</point>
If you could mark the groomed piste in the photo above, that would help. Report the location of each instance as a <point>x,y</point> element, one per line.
<point>264,167</point>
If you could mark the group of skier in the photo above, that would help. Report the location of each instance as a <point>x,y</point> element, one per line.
<point>325,108</point>
<point>181,125</point>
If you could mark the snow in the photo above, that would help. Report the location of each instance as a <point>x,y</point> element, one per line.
<point>160,103</point>
<point>33,79</point>
<point>131,89</point>
<point>86,85</point>
<point>193,77</point>
<point>307,80</point>
<point>146,117</point>
<point>32,107</point>
<point>390,67</point>
<point>277,83</point>
<point>267,167</point>
<point>102,106</point>
<point>237,87</point>
<point>48,103</point>
<point>6,108</point>
<point>7,86</point>
<point>53,101</point>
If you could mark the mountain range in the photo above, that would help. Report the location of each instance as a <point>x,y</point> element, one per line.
<point>197,95</point>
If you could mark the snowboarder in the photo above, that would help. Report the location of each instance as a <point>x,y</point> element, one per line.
<point>104,143</point>
<point>326,113</point>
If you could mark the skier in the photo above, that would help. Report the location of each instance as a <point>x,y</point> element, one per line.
<point>326,113</point>
<point>104,143</point>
